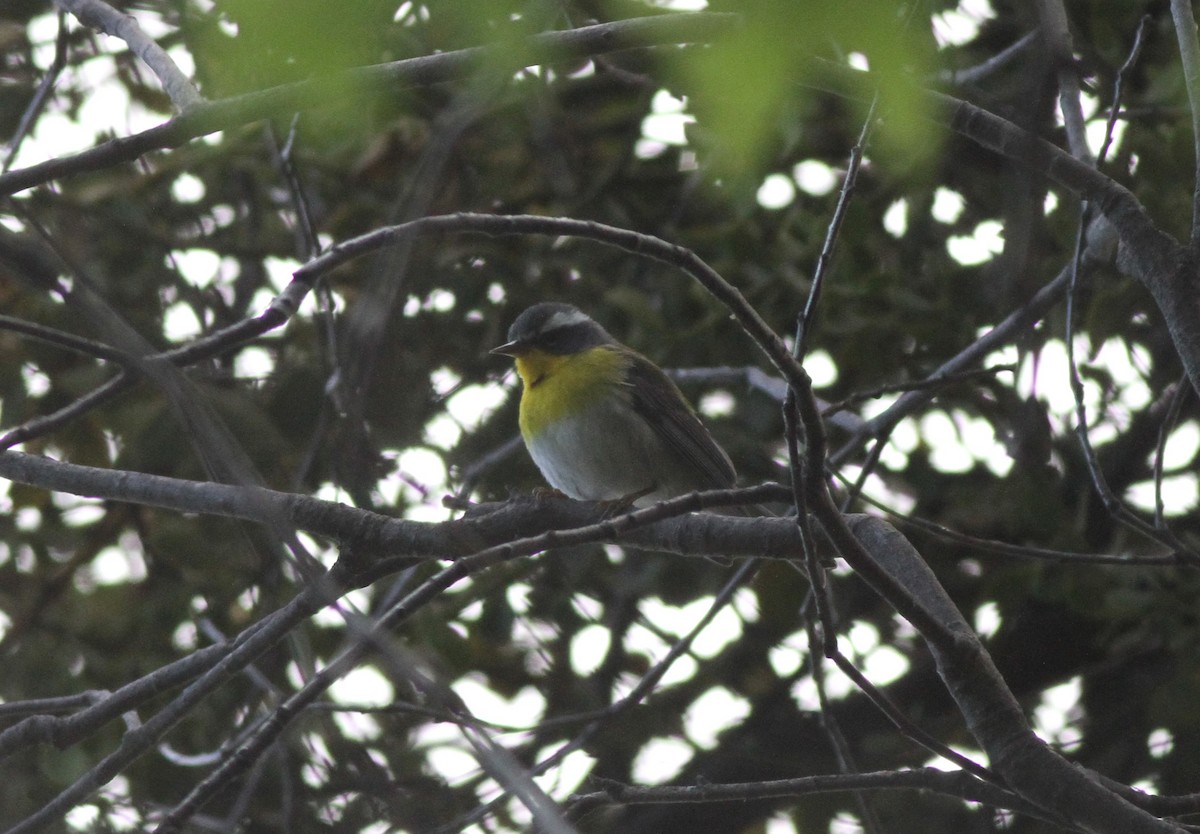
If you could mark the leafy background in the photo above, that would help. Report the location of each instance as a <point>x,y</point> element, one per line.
<point>392,413</point>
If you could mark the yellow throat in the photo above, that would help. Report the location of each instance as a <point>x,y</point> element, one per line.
<point>556,386</point>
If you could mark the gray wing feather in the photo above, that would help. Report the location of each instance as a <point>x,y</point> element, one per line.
<point>659,402</point>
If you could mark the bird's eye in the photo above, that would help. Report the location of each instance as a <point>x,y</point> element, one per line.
<point>552,339</point>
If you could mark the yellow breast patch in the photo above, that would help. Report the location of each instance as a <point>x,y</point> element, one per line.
<point>555,386</point>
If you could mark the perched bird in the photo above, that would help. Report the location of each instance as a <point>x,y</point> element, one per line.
<point>601,421</point>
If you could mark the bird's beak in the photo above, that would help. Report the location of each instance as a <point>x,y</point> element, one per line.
<point>509,349</point>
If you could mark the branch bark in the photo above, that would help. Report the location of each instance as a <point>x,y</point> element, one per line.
<point>1167,268</point>
<point>1030,767</point>
<point>1027,764</point>
<point>104,18</point>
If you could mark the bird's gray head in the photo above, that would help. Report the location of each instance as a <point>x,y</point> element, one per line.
<point>553,328</point>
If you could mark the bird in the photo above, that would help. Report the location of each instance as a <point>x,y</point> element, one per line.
<point>601,421</point>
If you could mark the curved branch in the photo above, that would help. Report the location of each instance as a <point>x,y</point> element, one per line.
<point>104,18</point>
<point>1027,764</point>
<point>529,224</point>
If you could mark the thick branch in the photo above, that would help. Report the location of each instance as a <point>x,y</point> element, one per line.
<point>995,718</point>
<point>1147,253</point>
<point>106,19</point>
<point>700,535</point>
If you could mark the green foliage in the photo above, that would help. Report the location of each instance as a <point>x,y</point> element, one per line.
<point>747,89</point>
<point>382,384</point>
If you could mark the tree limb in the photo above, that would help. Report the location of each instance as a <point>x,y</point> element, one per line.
<point>1028,765</point>
<point>104,18</point>
<point>209,117</point>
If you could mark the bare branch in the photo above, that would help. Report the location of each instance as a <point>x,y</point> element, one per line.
<point>67,341</point>
<point>409,539</point>
<point>1003,333</point>
<point>104,18</point>
<point>633,242</point>
<point>807,320</point>
<point>952,783</point>
<point>38,102</point>
<point>208,117</point>
<point>1057,35</point>
<point>1148,254</point>
<point>979,72</point>
<point>137,742</point>
<point>1028,765</point>
<point>1139,40</point>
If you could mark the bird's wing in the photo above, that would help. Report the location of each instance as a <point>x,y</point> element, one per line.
<point>659,402</point>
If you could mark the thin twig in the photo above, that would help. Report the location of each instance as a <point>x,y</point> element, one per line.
<point>807,320</point>
<point>308,245</point>
<point>822,647</point>
<point>806,460</point>
<point>934,382</point>
<point>41,96</point>
<point>953,783</point>
<point>1002,334</point>
<point>1168,425</point>
<point>902,722</point>
<point>980,71</point>
<point>1057,34</point>
<point>867,466</point>
<point>1119,85</point>
<point>1017,551</point>
<point>600,718</point>
<point>68,341</point>
<point>1112,504</point>
<point>470,475</point>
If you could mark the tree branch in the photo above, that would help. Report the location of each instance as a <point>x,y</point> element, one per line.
<point>1027,764</point>
<point>528,224</point>
<point>138,741</point>
<point>952,783</point>
<point>104,18</point>
<point>701,535</point>
<point>1057,35</point>
<point>209,117</point>
<point>1148,254</point>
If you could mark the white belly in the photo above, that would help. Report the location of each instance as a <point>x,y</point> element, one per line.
<point>604,455</point>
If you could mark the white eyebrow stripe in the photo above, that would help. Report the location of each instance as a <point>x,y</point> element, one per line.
<point>563,319</point>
